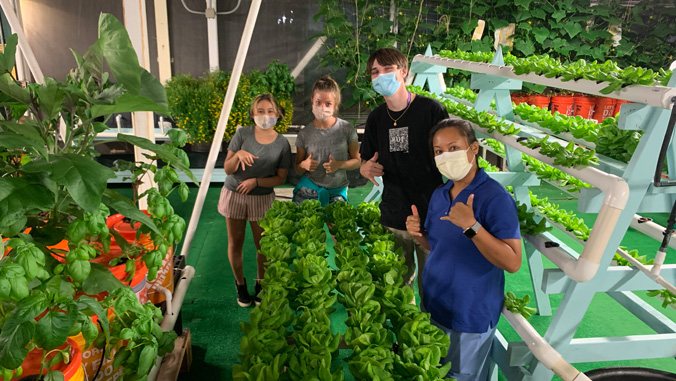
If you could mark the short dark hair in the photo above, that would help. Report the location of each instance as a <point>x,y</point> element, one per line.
<point>386,57</point>
<point>464,128</point>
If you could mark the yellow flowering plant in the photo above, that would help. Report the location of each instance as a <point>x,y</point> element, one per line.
<point>196,103</point>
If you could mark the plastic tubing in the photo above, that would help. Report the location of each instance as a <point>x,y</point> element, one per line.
<point>169,321</point>
<point>541,349</point>
<point>168,296</point>
<point>647,270</point>
<point>650,228</point>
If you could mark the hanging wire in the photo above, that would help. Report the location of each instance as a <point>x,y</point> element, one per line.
<point>211,5</point>
<point>190,10</point>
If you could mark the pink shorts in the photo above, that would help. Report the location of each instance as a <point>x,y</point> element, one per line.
<point>243,206</point>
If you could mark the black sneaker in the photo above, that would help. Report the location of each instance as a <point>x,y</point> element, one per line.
<point>243,297</point>
<point>257,290</point>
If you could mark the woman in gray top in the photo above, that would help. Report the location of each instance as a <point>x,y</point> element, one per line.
<point>258,160</point>
<point>325,149</point>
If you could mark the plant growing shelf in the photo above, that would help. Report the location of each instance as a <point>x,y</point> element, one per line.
<point>622,190</point>
<point>657,96</point>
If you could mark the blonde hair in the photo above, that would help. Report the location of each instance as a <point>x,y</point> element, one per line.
<point>329,85</point>
<point>266,97</point>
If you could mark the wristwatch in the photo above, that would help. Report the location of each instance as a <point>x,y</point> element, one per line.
<point>471,231</point>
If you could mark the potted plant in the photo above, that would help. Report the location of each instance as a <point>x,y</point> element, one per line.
<point>536,96</point>
<point>54,202</point>
<point>195,103</point>
<point>563,102</point>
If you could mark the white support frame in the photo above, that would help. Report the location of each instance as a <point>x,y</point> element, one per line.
<point>222,124</point>
<point>136,23</point>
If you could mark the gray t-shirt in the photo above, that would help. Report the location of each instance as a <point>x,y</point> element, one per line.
<point>324,142</point>
<point>270,157</point>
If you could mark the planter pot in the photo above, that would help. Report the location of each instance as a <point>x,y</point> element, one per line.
<point>165,276</point>
<point>72,371</point>
<point>629,374</point>
<point>202,147</point>
<point>605,108</point>
<point>618,105</point>
<point>94,360</point>
<point>122,225</point>
<point>137,283</point>
<point>564,104</point>
<point>541,101</point>
<point>519,98</point>
<point>584,106</point>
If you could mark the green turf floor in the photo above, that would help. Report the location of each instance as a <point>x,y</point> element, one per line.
<point>211,312</point>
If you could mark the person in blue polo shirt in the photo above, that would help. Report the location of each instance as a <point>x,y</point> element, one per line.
<point>472,230</point>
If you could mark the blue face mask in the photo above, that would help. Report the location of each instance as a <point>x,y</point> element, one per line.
<point>386,84</point>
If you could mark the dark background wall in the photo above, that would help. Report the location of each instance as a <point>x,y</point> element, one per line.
<point>55,26</point>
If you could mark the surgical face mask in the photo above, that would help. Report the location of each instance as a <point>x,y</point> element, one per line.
<point>454,165</point>
<point>386,84</point>
<point>322,113</point>
<point>265,122</point>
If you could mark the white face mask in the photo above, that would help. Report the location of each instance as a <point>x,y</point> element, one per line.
<point>454,165</point>
<point>322,113</point>
<point>265,122</point>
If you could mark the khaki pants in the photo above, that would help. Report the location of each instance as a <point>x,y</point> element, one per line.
<point>410,249</point>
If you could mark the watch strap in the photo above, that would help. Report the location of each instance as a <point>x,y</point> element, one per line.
<point>471,231</point>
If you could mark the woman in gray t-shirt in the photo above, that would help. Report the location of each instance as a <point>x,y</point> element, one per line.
<point>325,149</point>
<point>258,160</point>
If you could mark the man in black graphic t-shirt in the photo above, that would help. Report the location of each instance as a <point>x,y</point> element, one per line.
<point>396,147</point>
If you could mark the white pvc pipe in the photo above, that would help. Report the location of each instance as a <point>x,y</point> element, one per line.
<point>658,262</point>
<point>541,349</point>
<point>658,96</point>
<point>15,24</point>
<point>170,320</point>
<point>222,124</point>
<point>563,135</point>
<point>308,56</point>
<point>617,192</point>
<point>118,122</point>
<point>168,296</point>
<point>647,270</point>
<point>212,38</point>
<point>651,229</point>
<point>179,295</point>
<point>616,189</point>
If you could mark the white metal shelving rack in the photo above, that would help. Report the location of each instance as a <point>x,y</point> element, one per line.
<point>650,114</point>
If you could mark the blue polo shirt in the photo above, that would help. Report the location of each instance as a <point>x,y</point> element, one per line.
<point>463,290</point>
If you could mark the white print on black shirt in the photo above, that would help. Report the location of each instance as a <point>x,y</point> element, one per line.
<point>399,139</point>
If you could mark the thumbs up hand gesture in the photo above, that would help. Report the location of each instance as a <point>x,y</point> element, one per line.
<point>461,214</point>
<point>332,165</point>
<point>371,169</point>
<point>413,226</point>
<point>309,164</point>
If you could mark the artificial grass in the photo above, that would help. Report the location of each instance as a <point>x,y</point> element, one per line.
<point>211,312</point>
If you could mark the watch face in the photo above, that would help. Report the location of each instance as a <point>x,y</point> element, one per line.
<point>470,233</point>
